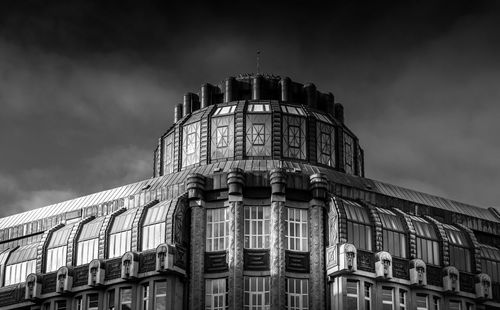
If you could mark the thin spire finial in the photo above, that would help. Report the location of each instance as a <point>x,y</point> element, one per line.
<point>258,61</point>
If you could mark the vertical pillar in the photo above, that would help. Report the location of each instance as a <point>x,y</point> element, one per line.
<point>235,182</point>
<point>195,188</point>
<point>319,191</point>
<point>277,238</point>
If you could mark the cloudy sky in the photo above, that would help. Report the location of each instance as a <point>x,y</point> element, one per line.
<point>86,89</point>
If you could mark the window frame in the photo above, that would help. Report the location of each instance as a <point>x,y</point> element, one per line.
<point>252,239</point>
<point>298,296</point>
<point>220,286</point>
<point>302,238</point>
<point>249,292</point>
<point>214,223</point>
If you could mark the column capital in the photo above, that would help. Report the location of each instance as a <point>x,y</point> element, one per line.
<point>235,184</point>
<point>278,178</point>
<point>319,186</point>
<point>195,186</point>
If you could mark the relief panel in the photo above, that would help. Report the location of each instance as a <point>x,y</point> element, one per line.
<point>294,137</point>
<point>222,136</point>
<point>258,135</point>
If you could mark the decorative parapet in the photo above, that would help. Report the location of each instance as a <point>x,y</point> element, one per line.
<point>42,247</point>
<point>412,234</point>
<point>444,238</point>
<point>73,238</point>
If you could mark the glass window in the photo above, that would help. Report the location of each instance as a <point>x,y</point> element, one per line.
<point>78,303</point>
<point>217,229</point>
<point>297,297</point>
<point>348,154</point>
<point>368,296</point>
<point>403,299</point>
<point>20,264</point>
<point>57,249</point>
<point>292,110</point>
<point>256,293</point>
<point>427,241</point>
<point>121,234</point>
<point>168,145</point>
<point>393,233</point>
<point>191,144</point>
<point>160,295</point>
<point>145,296</point>
<point>460,255</point>
<point>322,117</point>
<point>358,225</point>
<point>111,300</point>
<point>222,136</point>
<point>455,305</point>
<point>154,225</point>
<point>258,107</point>
<point>297,232</point>
<point>125,298</point>
<point>61,305</point>
<point>387,298</point>
<point>490,262</point>
<point>422,302</point>
<point>216,294</point>
<point>93,302</point>
<point>225,110</point>
<point>436,302</point>
<point>352,295</point>
<point>257,221</point>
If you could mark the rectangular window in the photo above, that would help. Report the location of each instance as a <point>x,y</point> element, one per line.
<point>394,242</point>
<point>436,302</point>
<point>297,232</point>
<point>216,294</point>
<point>256,293</point>
<point>294,136</point>
<point>217,229</point>
<point>17,273</point>
<point>256,108</point>
<point>352,295</point>
<point>455,305</point>
<point>326,145</point>
<point>222,136</point>
<point>368,296</point>
<point>78,303</point>
<point>87,251</point>
<point>348,154</point>
<point>403,302</point>
<point>297,295</point>
<point>93,302</point>
<point>153,236</point>
<point>111,300</point>
<point>359,235</point>
<point>428,250</point>
<point>145,296</point>
<point>119,243</point>
<point>160,295</point>
<point>125,298</point>
<point>257,221</point>
<point>422,302</point>
<point>61,305</point>
<point>56,258</point>
<point>387,298</point>
<point>168,154</point>
<point>460,258</point>
<point>225,110</point>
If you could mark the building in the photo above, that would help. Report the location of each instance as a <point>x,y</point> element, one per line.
<point>258,201</point>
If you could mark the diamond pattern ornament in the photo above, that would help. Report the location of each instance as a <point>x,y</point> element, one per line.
<point>258,135</point>
<point>191,144</point>
<point>325,144</point>
<point>294,133</point>
<point>222,137</point>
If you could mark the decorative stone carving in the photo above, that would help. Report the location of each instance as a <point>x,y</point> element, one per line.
<point>164,258</point>
<point>33,287</point>
<point>235,182</point>
<point>195,186</point>
<point>483,287</point>
<point>319,186</point>
<point>97,270</point>
<point>130,265</point>
<point>64,280</point>
<point>383,265</point>
<point>278,181</point>
<point>418,272</point>
<point>347,258</point>
<point>451,276</point>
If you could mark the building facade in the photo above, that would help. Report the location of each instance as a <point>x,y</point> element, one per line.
<point>258,201</point>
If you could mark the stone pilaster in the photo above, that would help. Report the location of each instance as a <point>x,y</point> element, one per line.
<point>412,236</point>
<point>317,205</point>
<point>235,182</point>
<point>445,248</point>
<point>195,187</point>
<point>277,239</point>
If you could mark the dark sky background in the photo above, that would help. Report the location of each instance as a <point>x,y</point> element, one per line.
<point>86,88</point>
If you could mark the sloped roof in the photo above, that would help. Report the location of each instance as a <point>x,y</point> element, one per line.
<point>248,165</point>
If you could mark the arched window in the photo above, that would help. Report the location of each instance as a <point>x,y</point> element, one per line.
<point>490,262</point>
<point>460,256</point>
<point>393,232</point>
<point>88,241</point>
<point>20,264</point>
<point>427,241</point>
<point>153,228</point>
<point>120,235</point>
<point>57,249</point>
<point>359,229</point>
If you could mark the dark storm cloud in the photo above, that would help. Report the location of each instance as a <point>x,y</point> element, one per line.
<point>86,88</point>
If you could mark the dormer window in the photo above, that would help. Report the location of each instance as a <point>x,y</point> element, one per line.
<point>293,110</point>
<point>258,108</point>
<point>225,110</point>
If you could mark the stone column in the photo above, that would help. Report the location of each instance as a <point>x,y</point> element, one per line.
<point>277,239</point>
<point>316,230</point>
<point>235,182</point>
<point>195,187</point>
